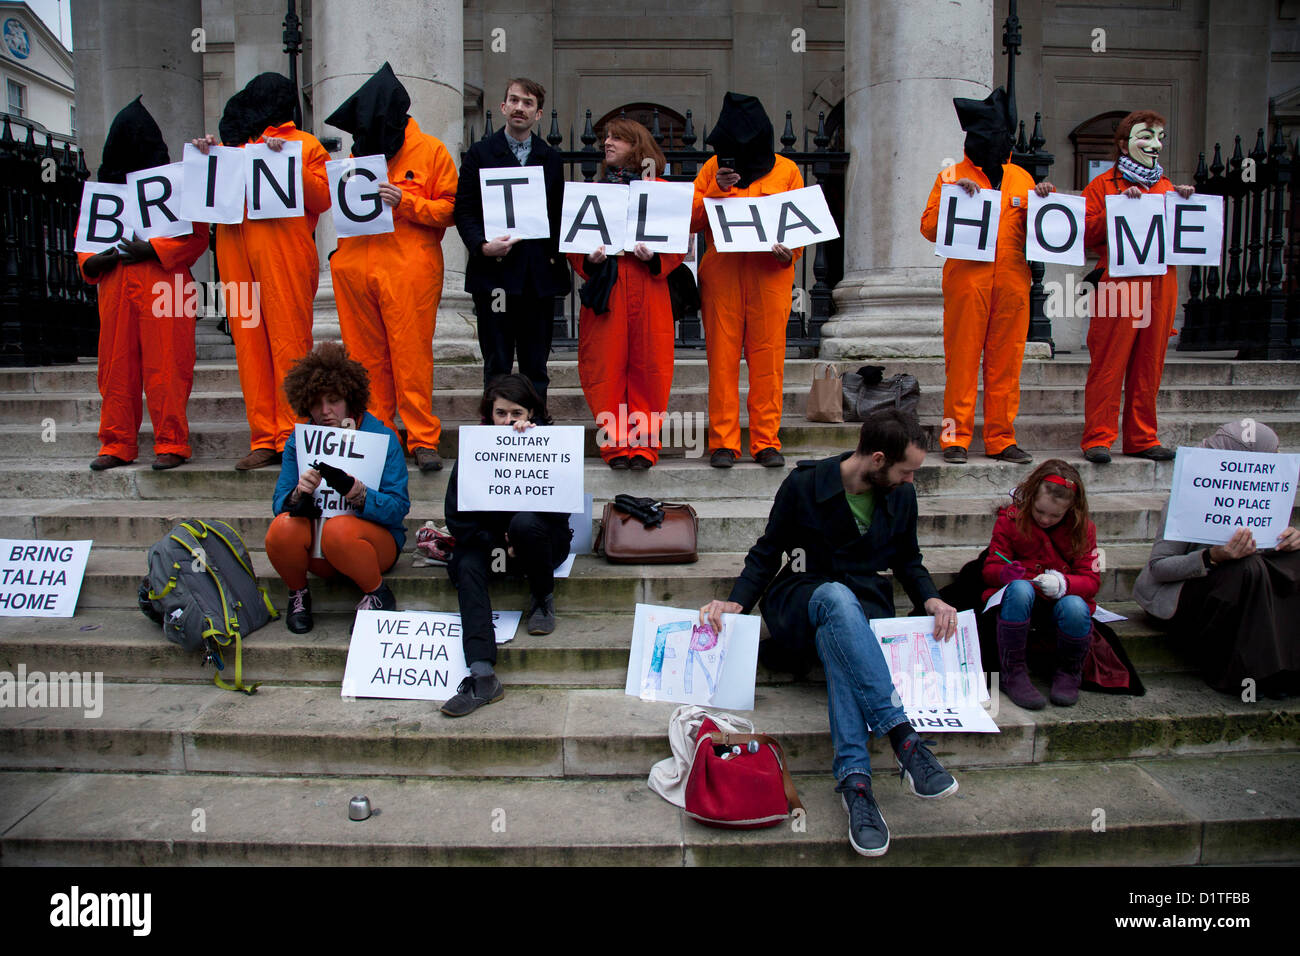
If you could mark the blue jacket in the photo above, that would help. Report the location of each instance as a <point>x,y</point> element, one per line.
<point>386,505</point>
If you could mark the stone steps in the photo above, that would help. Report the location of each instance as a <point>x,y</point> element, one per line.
<point>113,574</point>
<point>587,649</point>
<point>1218,810</point>
<point>220,440</point>
<point>575,732</point>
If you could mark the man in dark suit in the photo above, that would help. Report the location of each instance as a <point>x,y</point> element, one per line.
<point>514,282</point>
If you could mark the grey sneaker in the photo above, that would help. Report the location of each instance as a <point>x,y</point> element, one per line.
<point>541,615</point>
<point>868,833</point>
<point>921,771</point>
<point>473,693</point>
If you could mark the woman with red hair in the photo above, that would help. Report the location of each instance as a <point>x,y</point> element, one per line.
<point>1132,319</point>
<point>625,329</point>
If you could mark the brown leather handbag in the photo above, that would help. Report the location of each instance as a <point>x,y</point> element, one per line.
<point>625,540</point>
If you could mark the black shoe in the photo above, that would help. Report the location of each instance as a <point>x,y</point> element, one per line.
<point>380,599</point>
<point>868,833</point>
<point>619,463</point>
<point>1014,454</point>
<point>954,455</point>
<point>639,463</point>
<point>105,462</point>
<point>921,772</point>
<point>1097,455</point>
<point>541,615</point>
<point>1154,453</point>
<point>428,459</point>
<point>472,694</point>
<point>298,617</point>
<point>770,458</point>
<point>723,458</point>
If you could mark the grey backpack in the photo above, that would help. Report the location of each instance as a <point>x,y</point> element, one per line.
<point>202,590</point>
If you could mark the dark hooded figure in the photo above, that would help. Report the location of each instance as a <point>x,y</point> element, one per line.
<point>146,341</point>
<point>387,286</point>
<point>744,133</point>
<point>375,115</point>
<point>988,124</point>
<point>985,304</point>
<point>134,142</point>
<point>744,296</point>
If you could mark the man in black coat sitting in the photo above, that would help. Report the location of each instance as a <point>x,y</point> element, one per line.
<point>514,282</point>
<point>841,521</point>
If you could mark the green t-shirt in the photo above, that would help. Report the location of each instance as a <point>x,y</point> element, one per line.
<point>863,507</point>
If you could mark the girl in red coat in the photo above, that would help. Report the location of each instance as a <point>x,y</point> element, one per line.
<point>1044,550</point>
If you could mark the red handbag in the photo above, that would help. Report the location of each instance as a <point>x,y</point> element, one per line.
<point>739,791</point>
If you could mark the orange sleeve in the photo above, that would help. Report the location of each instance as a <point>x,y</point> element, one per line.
<point>437,207</point>
<point>180,252</point>
<point>668,261</point>
<point>81,264</point>
<point>315,184</point>
<point>1094,221</point>
<point>930,217</point>
<point>579,261</point>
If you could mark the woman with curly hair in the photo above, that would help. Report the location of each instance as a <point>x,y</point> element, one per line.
<point>625,329</point>
<point>329,388</point>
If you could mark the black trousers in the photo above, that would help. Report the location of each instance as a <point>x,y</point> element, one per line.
<point>540,542</point>
<point>525,327</point>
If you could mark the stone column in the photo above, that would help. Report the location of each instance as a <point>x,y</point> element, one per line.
<point>124,50</point>
<point>903,65</point>
<point>423,40</point>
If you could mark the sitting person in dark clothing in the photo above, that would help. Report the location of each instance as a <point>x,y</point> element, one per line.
<point>534,543</point>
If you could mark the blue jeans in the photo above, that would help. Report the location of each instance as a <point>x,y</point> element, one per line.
<point>859,691</point>
<point>1070,613</point>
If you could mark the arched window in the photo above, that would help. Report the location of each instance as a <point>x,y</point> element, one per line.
<point>671,123</point>
<point>1094,146</point>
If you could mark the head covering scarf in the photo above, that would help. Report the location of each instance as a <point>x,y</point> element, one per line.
<point>988,124</point>
<point>134,142</point>
<point>744,133</point>
<point>1232,437</point>
<point>267,100</point>
<point>375,115</point>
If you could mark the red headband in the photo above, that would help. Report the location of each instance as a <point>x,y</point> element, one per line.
<point>1058,480</point>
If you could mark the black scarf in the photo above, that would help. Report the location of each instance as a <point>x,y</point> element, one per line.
<point>988,124</point>
<point>744,133</point>
<point>134,142</point>
<point>375,115</point>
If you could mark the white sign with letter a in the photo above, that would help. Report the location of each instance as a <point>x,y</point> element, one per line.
<point>156,194</point>
<point>1193,229</point>
<point>355,202</point>
<point>1217,492</point>
<point>105,218</point>
<point>968,225</point>
<point>1135,236</point>
<point>593,215</point>
<point>1054,229</point>
<point>514,202</point>
<point>214,184</point>
<point>500,469</point>
<point>273,180</point>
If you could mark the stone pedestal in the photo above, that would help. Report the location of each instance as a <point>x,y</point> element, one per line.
<point>423,41</point>
<point>903,66</point>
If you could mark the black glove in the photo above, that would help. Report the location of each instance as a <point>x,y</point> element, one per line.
<point>646,510</point>
<point>336,478</point>
<point>305,507</point>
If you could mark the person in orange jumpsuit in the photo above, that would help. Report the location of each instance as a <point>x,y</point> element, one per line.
<point>387,286</point>
<point>268,267</point>
<point>145,339</point>
<point>625,329</point>
<point>744,296</point>
<point>985,304</point>
<point>1132,319</point>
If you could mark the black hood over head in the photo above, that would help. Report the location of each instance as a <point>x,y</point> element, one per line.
<point>745,133</point>
<point>375,115</point>
<point>268,100</point>
<point>988,124</point>
<point>134,142</point>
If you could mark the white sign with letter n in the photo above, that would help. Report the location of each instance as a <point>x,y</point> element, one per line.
<point>273,180</point>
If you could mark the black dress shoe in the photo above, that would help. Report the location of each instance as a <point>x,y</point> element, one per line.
<point>723,458</point>
<point>299,619</point>
<point>472,693</point>
<point>1014,454</point>
<point>639,463</point>
<point>619,463</point>
<point>1097,455</point>
<point>1154,453</point>
<point>954,455</point>
<point>770,458</point>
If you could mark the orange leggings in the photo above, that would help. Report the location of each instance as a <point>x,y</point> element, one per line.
<point>355,547</point>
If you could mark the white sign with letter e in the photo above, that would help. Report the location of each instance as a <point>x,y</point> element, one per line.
<point>1217,492</point>
<point>514,202</point>
<point>1193,229</point>
<point>356,205</point>
<point>500,469</point>
<point>968,225</point>
<point>41,578</point>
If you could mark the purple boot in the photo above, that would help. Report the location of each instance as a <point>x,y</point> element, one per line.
<point>1070,652</point>
<point>1012,639</point>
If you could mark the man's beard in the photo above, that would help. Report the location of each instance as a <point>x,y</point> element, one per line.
<point>879,480</point>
